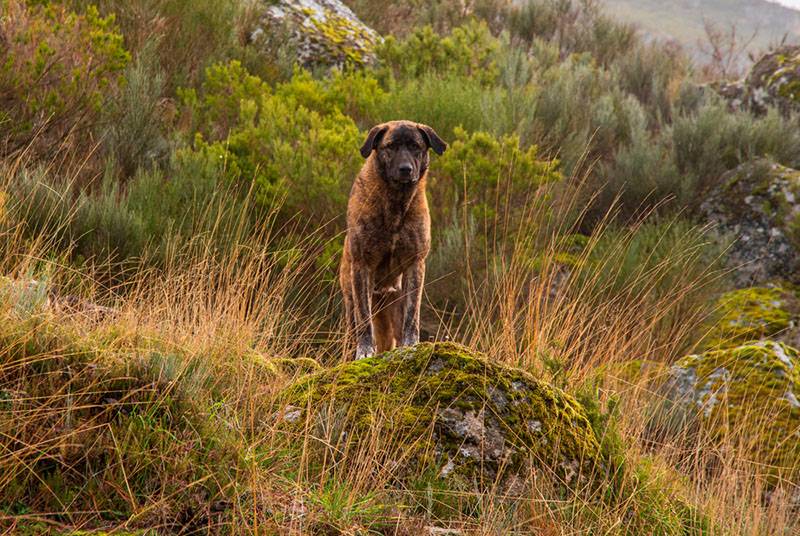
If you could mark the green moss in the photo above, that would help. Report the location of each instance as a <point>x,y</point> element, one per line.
<point>749,394</point>
<point>434,398</point>
<point>750,314</point>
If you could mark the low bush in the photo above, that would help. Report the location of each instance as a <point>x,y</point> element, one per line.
<point>468,51</point>
<point>56,67</point>
<point>574,26</point>
<point>136,119</point>
<point>713,140</point>
<point>294,157</point>
<point>186,35</point>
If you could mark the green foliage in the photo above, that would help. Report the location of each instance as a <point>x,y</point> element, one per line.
<point>494,172</point>
<point>652,259</point>
<point>186,35</point>
<point>469,51</point>
<point>641,177</point>
<point>576,26</point>
<point>357,94</point>
<point>135,137</point>
<point>293,156</point>
<point>446,104</point>
<point>157,210</point>
<point>714,140</point>
<point>56,66</point>
<point>227,92</point>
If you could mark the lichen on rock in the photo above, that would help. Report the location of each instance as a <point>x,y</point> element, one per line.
<point>753,314</point>
<point>758,205</point>
<point>457,411</point>
<point>747,394</point>
<point>323,32</point>
<point>773,81</point>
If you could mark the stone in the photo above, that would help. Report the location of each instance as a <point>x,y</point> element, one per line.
<point>463,415</point>
<point>746,394</point>
<point>322,33</point>
<point>758,206</point>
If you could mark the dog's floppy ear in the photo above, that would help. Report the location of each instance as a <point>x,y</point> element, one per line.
<point>432,138</point>
<point>373,139</point>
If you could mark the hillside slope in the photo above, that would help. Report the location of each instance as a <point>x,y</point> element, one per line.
<point>683,19</point>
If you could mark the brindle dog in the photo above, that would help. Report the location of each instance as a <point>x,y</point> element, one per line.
<point>388,237</point>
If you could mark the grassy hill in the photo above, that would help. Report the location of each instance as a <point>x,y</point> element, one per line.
<point>683,19</point>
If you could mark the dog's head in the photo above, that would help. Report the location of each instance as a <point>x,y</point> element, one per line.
<point>401,150</point>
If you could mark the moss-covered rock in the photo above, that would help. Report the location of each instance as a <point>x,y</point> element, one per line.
<point>323,32</point>
<point>774,80</point>
<point>758,204</point>
<point>752,314</point>
<point>747,395</point>
<point>457,411</point>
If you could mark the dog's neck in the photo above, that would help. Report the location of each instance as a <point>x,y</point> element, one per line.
<point>395,201</point>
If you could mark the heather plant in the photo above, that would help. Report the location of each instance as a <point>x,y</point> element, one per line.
<point>137,117</point>
<point>712,140</point>
<point>56,68</point>
<point>185,35</point>
<point>574,26</point>
<point>290,155</point>
<point>469,51</point>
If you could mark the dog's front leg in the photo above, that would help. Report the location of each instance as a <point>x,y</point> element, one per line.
<point>362,309</point>
<point>413,279</point>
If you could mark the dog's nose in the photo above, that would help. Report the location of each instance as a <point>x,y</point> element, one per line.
<point>405,169</point>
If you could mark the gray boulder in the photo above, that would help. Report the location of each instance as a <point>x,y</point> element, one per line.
<point>758,205</point>
<point>773,81</point>
<point>322,33</point>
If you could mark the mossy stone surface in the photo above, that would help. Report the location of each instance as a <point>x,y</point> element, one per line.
<point>758,205</point>
<point>753,314</point>
<point>458,411</point>
<point>748,394</point>
<point>324,33</point>
<point>774,80</point>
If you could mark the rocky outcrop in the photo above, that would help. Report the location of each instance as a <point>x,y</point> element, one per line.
<point>749,395</point>
<point>758,205</point>
<point>322,32</point>
<point>754,314</point>
<point>773,81</point>
<point>453,410</point>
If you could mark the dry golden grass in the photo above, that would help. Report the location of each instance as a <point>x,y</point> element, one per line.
<point>161,413</point>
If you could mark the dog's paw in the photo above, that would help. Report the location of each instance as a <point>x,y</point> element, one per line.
<point>363,352</point>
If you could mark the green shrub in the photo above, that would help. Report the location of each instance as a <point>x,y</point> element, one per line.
<point>582,115</point>
<point>574,26</point>
<point>156,211</point>
<point>55,69</point>
<point>357,94</point>
<point>469,51</point>
<point>714,139</point>
<point>656,259</point>
<point>488,169</point>
<point>396,18</point>
<point>447,104</point>
<point>295,157</point>
<point>653,74</point>
<point>188,35</point>
<point>641,177</point>
<point>228,89</point>
<point>135,135</point>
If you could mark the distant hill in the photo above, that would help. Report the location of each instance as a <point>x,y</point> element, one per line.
<point>682,20</point>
